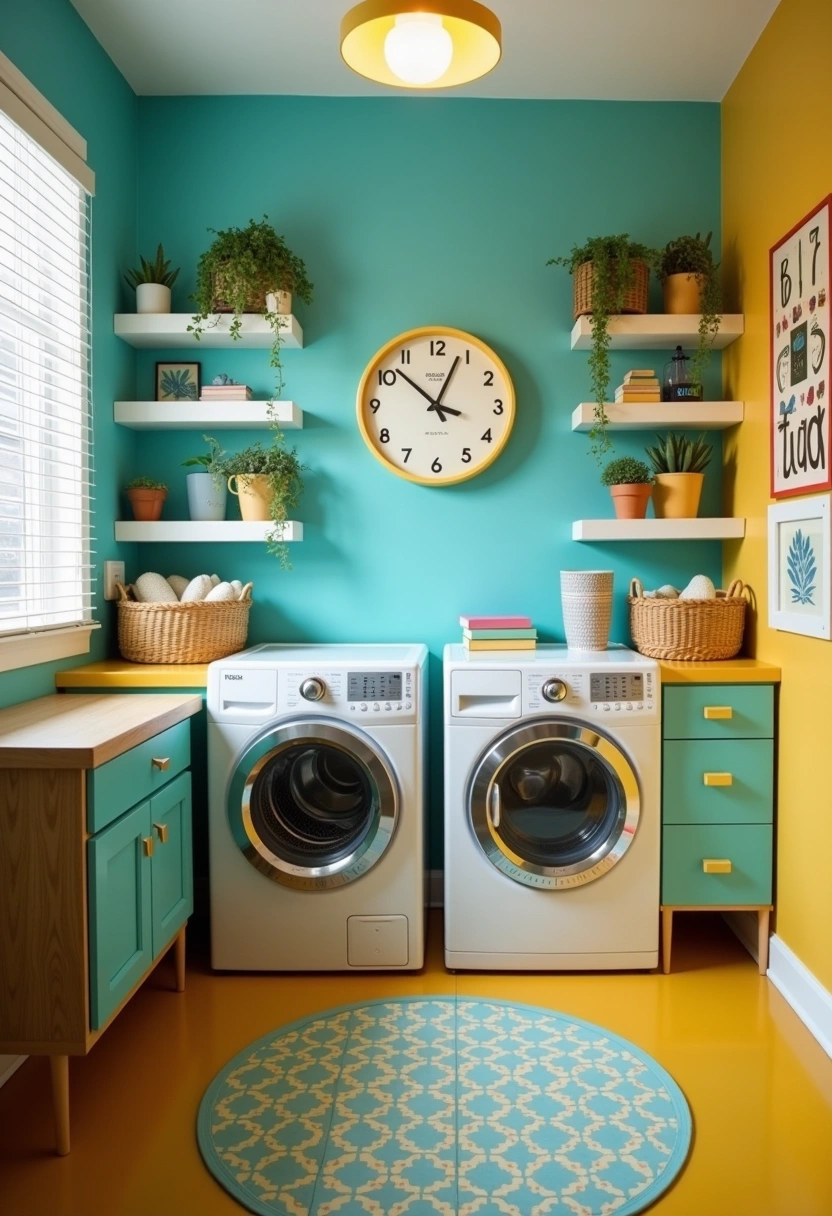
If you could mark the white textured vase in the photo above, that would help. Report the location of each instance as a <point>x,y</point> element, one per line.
<point>279,302</point>
<point>152,297</point>
<point>206,499</point>
<point>586,599</point>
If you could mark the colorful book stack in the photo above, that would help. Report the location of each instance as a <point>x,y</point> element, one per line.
<point>498,633</point>
<point>225,392</point>
<point>640,385</point>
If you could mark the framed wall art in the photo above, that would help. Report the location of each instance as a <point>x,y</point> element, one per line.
<point>799,567</point>
<point>800,270</point>
<point>177,381</point>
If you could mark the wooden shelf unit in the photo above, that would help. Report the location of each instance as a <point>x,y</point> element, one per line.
<point>197,415</point>
<point>658,529</point>
<point>166,330</point>
<point>695,415</point>
<point>656,331</point>
<point>228,531</point>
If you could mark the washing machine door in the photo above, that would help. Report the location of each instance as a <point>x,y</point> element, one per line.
<point>313,804</point>
<point>554,803</point>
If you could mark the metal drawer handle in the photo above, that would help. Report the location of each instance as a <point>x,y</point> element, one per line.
<point>718,778</point>
<point>161,762</point>
<point>147,841</point>
<point>161,830</point>
<point>494,805</point>
<point>715,865</point>
<point>717,712</point>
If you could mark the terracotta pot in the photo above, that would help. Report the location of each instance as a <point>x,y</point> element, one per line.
<point>630,501</point>
<point>676,495</point>
<point>147,504</point>
<point>683,293</point>
<point>255,495</point>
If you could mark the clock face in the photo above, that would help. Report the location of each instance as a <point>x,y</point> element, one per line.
<point>436,405</point>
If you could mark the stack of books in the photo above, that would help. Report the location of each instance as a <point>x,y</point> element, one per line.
<point>498,633</point>
<point>640,385</point>
<point>225,392</point>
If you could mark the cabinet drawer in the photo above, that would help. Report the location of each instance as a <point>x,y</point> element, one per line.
<point>121,783</point>
<point>748,847</point>
<point>719,711</point>
<point>718,781</point>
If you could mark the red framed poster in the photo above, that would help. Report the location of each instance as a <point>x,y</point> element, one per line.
<point>800,273</point>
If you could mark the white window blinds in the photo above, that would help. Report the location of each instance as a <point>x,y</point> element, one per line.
<point>45,399</point>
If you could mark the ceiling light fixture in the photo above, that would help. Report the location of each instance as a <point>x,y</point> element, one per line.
<point>421,44</point>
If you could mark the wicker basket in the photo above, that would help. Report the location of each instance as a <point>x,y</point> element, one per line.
<point>181,633</point>
<point>635,297</point>
<point>256,301</point>
<point>689,629</point>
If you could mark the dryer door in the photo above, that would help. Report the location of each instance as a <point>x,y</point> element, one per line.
<point>312,804</point>
<point>554,803</point>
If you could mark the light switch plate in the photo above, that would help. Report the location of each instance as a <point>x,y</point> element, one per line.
<point>113,573</point>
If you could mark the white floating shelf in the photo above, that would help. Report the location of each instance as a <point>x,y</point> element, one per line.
<point>161,330</point>
<point>698,415</point>
<point>235,531</point>
<point>658,529</point>
<point>657,331</point>
<point>197,415</point>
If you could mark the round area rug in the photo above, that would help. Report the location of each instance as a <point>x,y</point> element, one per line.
<point>443,1105</point>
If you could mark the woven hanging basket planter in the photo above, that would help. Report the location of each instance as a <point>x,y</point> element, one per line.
<point>687,630</point>
<point>635,297</point>
<point>256,301</point>
<point>182,633</point>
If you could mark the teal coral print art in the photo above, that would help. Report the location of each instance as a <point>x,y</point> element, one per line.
<point>443,1106</point>
<point>802,569</point>
<point>177,381</point>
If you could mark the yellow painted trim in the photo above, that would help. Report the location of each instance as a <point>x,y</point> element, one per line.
<point>727,671</point>
<point>118,673</point>
<point>425,331</point>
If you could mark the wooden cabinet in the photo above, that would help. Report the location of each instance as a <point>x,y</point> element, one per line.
<point>95,871</point>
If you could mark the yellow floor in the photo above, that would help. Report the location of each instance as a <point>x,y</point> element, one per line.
<point>759,1085</point>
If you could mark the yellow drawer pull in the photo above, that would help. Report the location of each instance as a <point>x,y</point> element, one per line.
<point>714,865</point>
<point>718,778</point>
<point>161,762</point>
<point>147,841</point>
<point>714,713</point>
<point>161,830</point>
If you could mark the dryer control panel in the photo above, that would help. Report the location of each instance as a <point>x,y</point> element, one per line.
<point>623,694</point>
<point>247,692</point>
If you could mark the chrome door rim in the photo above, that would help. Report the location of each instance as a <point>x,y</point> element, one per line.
<point>264,749</point>
<point>490,765</point>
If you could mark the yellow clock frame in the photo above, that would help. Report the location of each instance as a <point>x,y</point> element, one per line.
<point>441,331</point>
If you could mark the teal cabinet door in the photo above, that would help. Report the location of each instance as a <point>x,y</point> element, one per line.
<point>119,784</point>
<point>718,711</point>
<point>711,863</point>
<point>172,862</point>
<point>718,781</point>
<point>118,868</point>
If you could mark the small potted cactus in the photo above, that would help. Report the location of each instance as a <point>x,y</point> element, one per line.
<point>631,484</point>
<point>147,497</point>
<point>679,469</point>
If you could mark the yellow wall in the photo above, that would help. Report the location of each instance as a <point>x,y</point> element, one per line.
<point>776,165</point>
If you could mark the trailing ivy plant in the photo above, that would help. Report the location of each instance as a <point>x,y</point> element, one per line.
<point>693,255</point>
<point>612,260</point>
<point>246,262</point>
<point>284,472</point>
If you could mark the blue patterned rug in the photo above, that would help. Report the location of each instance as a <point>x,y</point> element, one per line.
<point>443,1105</point>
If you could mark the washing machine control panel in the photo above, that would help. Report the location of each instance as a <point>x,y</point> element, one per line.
<point>389,695</point>
<point>618,694</point>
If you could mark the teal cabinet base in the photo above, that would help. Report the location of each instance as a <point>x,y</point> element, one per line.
<point>707,864</point>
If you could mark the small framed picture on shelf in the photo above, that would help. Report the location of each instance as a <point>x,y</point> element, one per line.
<point>799,566</point>
<point>177,381</point>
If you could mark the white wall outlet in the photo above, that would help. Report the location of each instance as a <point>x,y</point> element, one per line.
<point>113,573</point>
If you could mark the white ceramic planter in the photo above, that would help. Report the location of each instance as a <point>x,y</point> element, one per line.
<point>586,599</point>
<point>279,302</point>
<point>206,499</point>
<point>152,297</point>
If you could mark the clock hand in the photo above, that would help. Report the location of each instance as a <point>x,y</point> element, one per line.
<point>438,401</point>
<point>427,396</point>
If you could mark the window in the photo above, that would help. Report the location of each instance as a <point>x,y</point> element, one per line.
<point>45,413</point>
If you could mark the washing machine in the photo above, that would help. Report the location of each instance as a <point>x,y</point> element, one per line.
<point>552,809</point>
<point>316,763</point>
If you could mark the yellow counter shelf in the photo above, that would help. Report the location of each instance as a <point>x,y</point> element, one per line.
<point>118,673</point>
<point>722,671</point>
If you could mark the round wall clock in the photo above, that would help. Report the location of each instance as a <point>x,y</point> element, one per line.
<point>436,405</point>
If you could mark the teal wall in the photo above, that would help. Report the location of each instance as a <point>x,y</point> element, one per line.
<point>410,212</point>
<point>51,45</point>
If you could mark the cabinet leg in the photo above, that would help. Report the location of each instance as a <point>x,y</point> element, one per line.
<point>763,915</point>
<point>59,1066</point>
<point>667,938</point>
<point>179,959</point>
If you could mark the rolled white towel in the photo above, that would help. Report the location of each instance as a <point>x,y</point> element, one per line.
<point>222,591</point>
<point>215,580</point>
<point>700,587</point>
<point>197,589</point>
<point>238,587</point>
<point>153,588</point>
<point>179,583</point>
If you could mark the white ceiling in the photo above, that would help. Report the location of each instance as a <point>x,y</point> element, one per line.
<point>635,50</point>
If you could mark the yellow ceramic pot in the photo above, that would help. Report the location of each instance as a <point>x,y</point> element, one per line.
<point>676,495</point>
<point>683,293</point>
<point>255,495</point>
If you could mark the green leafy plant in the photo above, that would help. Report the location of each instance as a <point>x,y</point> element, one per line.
<point>157,271</point>
<point>677,454</point>
<point>612,260</point>
<point>243,263</point>
<point>145,483</point>
<point>211,462</point>
<point>626,471</point>
<point>284,472</point>
<point>178,385</point>
<point>692,255</point>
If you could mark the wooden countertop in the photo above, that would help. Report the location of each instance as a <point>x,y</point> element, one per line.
<point>723,671</point>
<point>85,731</point>
<point>118,673</point>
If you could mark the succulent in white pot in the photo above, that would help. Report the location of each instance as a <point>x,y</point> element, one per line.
<point>152,282</point>
<point>207,489</point>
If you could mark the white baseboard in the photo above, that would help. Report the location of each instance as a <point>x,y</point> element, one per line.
<point>9,1066</point>
<point>436,888</point>
<point>807,996</point>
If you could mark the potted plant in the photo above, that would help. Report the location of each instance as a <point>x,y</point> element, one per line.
<point>207,489</point>
<point>268,482</point>
<point>631,484</point>
<point>249,269</point>
<point>152,281</point>
<point>692,284</point>
<point>611,275</point>
<point>147,497</point>
<point>679,467</point>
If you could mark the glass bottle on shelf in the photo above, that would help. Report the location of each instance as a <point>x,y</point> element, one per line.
<point>677,383</point>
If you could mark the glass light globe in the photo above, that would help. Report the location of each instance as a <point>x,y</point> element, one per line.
<point>418,48</point>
